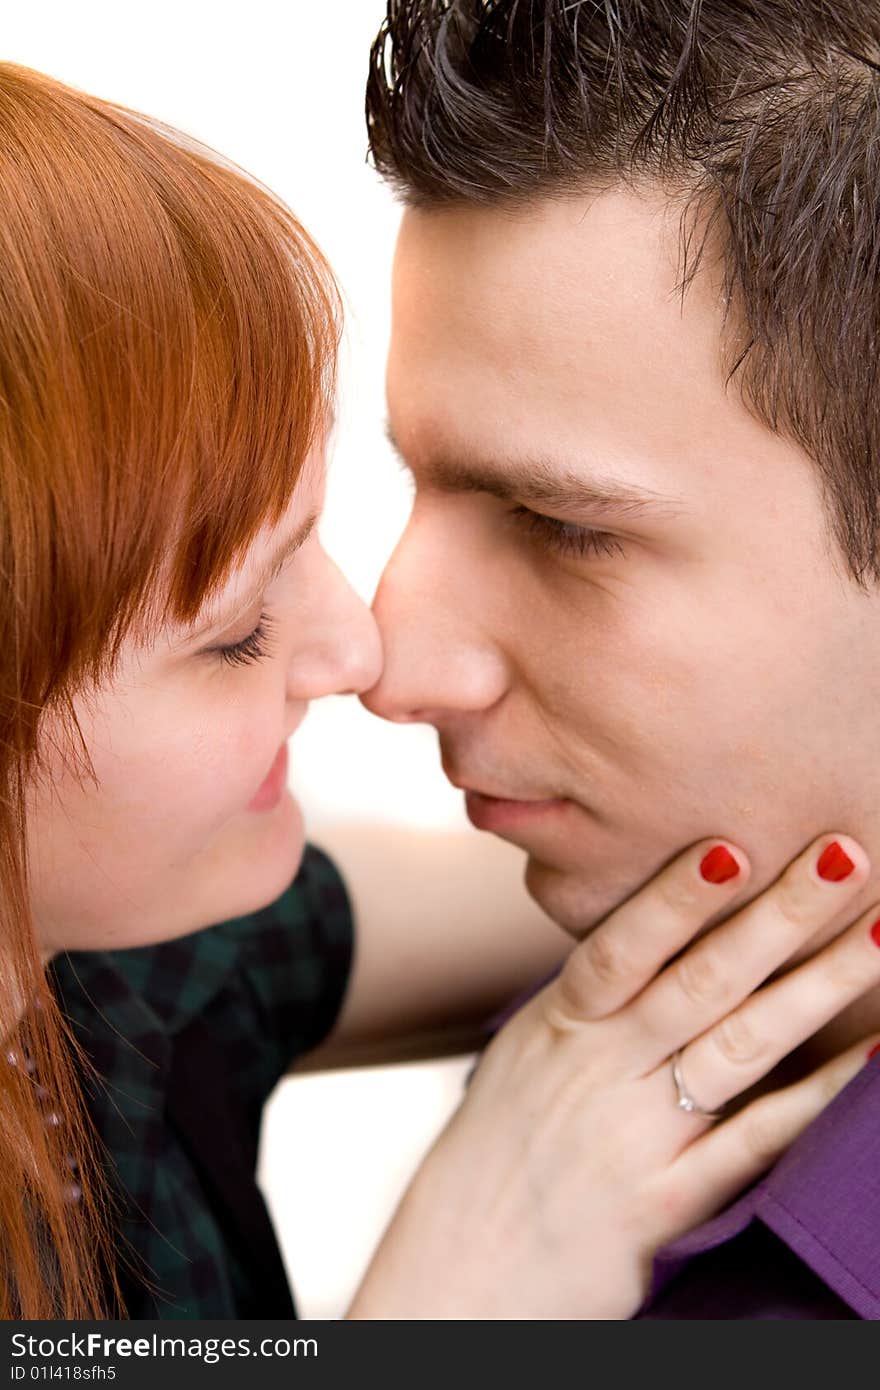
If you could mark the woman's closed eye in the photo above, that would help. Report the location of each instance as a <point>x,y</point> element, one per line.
<point>253,648</point>
<point>565,537</point>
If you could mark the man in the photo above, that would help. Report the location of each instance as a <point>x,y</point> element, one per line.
<point>633,374</point>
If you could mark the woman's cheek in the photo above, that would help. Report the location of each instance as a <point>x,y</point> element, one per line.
<point>183,788</point>
<point>244,752</point>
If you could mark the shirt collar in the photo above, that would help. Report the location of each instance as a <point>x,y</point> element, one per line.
<point>822,1199</point>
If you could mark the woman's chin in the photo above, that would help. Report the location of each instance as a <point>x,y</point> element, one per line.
<point>255,860</point>
<point>247,865</point>
<point>275,840</point>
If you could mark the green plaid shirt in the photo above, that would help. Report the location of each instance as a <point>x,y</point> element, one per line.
<point>188,1038</point>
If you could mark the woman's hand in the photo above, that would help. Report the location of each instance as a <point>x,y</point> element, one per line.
<point>570,1161</point>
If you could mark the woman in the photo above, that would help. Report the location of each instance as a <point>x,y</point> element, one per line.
<point>167,350</point>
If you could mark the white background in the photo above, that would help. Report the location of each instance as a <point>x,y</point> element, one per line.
<point>280,89</point>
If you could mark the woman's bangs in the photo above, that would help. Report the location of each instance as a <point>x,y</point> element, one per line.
<point>221,375</point>
<point>262,398</point>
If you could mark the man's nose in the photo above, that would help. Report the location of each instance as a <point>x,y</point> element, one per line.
<point>439,655</point>
<point>343,655</point>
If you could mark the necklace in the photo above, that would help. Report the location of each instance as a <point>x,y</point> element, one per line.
<point>52,1118</point>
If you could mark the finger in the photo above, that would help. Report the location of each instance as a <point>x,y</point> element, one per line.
<point>725,1159</point>
<point>627,949</point>
<point>711,978</point>
<point>749,1042</point>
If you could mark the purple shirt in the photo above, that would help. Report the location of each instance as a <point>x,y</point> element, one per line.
<point>804,1242</point>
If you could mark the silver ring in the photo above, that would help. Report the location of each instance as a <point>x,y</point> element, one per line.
<point>685,1099</point>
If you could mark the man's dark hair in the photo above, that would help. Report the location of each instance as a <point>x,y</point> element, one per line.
<point>762,116</point>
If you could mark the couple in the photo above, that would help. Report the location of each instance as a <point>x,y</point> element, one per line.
<point>632,373</point>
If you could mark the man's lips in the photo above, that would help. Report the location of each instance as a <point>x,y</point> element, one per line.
<point>499,813</point>
<point>495,810</point>
<point>471,787</point>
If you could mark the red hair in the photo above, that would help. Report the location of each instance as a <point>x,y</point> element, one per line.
<point>168,337</point>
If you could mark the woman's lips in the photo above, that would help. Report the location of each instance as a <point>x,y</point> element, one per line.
<point>496,814</point>
<point>272,787</point>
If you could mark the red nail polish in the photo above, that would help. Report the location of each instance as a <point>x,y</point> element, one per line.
<point>719,865</point>
<point>875,933</point>
<point>874,1050</point>
<point>834,863</point>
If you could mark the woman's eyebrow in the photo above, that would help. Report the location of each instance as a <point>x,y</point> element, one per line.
<point>271,567</point>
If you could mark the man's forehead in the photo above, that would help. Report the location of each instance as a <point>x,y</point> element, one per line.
<point>585,292</point>
<point>639,226</point>
<point>525,351</point>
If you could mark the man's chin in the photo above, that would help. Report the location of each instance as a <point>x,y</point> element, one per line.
<point>577,903</point>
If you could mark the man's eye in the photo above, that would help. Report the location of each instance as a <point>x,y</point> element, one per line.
<point>564,537</point>
<point>255,647</point>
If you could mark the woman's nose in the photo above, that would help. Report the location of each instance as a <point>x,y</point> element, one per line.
<point>343,654</point>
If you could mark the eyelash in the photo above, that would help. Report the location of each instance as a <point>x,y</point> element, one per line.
<point>566,538</point>
<point>561,536</point>
<point>253,648</point>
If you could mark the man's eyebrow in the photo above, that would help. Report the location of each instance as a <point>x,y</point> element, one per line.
<point>542,483</point>
<point>216,620</point>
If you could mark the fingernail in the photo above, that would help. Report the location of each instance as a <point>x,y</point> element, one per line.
<point>875,933</point>
<point>834,863</point>
<point>719,865</point>
<point>874,1050</point>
